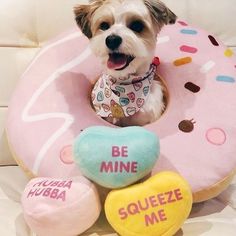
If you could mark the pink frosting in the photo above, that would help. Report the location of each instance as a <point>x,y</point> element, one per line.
<point>197,132</point>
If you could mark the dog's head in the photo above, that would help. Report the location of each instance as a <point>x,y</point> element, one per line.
<point>123,32</point>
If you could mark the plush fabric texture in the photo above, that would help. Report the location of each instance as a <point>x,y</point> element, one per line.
<point>51,106</point>
<point>118,98</point>
<point>157,207</point>
<point>209,218</point>
<point>17,50</point>
<point>60,206</point>
<point>115,158</point>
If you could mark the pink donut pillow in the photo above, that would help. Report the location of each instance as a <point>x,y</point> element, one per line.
<point>197,132</point>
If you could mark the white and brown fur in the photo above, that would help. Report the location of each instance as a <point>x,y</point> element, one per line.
<point>120,15</point>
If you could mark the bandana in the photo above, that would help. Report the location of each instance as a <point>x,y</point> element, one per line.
<point>116,98</point>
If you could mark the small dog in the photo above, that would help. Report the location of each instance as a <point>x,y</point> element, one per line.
<point>123,33</point>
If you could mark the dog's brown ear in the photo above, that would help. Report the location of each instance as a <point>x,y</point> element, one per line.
<point>160,12</point>
<point>82,17</point>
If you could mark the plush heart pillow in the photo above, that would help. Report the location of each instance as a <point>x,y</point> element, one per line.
<point>60,207</point>
<point>114,157</point>
<point>157,207</point>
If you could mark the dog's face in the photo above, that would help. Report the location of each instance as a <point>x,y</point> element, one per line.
<point>123,32</point>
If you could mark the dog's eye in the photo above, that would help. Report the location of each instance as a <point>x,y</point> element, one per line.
<point>104,26</point>
<point>137,26</point>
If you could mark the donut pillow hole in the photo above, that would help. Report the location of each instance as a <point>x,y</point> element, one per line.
<point>165,98</point>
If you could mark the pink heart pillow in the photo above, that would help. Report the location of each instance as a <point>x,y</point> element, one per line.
<point>60,207</point>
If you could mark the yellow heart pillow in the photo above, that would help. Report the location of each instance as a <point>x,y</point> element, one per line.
<point>157,207</point>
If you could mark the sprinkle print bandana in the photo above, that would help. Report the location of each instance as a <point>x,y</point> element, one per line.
<point>115,98</point>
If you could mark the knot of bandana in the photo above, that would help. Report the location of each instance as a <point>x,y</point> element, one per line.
<point>116,98</point>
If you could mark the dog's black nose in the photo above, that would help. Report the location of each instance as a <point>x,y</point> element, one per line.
<point>113,41</point>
